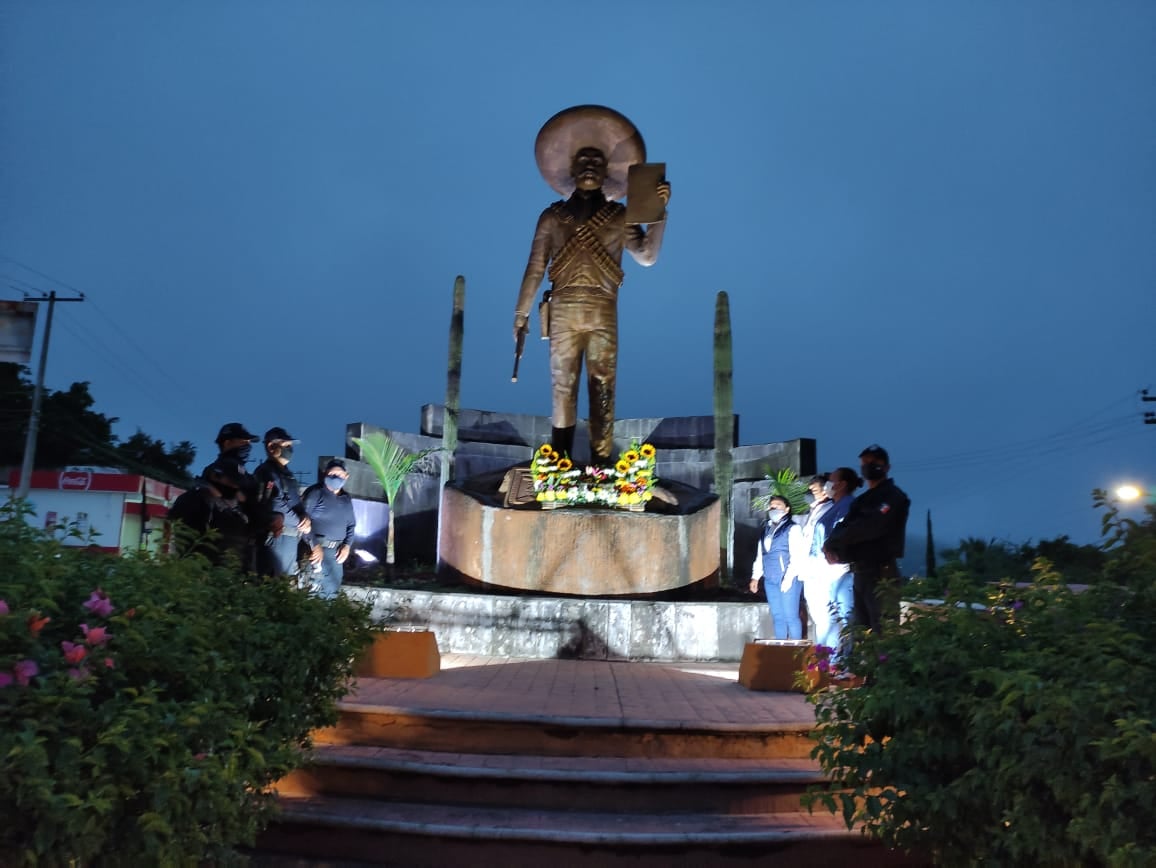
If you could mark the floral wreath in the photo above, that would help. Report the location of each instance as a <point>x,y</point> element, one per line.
<point>628,484</point>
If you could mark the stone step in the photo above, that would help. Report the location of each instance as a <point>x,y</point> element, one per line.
<point>419,835</point>
<point>646,785</point>
<point>474,732</point>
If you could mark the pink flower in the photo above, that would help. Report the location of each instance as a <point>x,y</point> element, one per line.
<point>36,623</point>
<point>99,604</point>
<point>6,679</point>
<point>3,608</point>
<point>108,663</point>
<point>24,670</point>
<point>73,653</point>
<point>95,635</point>
<point>78,674</point>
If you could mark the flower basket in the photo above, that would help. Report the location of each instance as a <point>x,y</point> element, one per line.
<point>629,484</point>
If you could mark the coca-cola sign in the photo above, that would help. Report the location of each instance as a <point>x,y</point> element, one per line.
<point>75,480</point>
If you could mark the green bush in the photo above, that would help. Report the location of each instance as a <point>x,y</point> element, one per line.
<point>146,705</point>
<point>1019,731</point>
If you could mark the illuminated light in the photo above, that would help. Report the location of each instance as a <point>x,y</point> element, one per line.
<point>1128,492</point>
<point>366,557</point>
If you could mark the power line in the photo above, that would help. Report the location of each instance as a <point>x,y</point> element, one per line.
<point>48,277</point>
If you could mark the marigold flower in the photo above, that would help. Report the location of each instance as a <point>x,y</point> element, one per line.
<point>24,671</point>
<point>647,451</point>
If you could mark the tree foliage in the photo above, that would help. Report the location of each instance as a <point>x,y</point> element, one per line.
<point>1011,725</point>
<point>149,703</point>
<point>984,561</point>
<point>72,433</point>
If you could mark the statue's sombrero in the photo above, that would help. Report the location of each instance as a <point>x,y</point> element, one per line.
<point>588,126</point>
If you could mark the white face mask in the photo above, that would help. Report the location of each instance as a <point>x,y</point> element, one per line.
<point>776,515</point>
<point>828,488</point>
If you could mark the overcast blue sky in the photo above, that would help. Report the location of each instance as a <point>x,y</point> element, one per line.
<point>935,221</point>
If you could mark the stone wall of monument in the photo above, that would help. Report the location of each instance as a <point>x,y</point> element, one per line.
<point>490,441</point>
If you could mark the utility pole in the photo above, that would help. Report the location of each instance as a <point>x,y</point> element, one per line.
<point>37,395</point>
<point>1149,416</point>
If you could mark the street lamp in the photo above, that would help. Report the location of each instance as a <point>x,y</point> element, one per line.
<point>1131,493</point>
<point>1128,492</point>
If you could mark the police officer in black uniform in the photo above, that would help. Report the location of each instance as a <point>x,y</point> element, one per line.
<point>871,539</point>
<point>334,523</point>
<point>279,493</point>
<point>234,444</point>
<point>211,519</point>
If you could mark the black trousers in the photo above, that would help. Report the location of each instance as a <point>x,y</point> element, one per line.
<point>876,594</point>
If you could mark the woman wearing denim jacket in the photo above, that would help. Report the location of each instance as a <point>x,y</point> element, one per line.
<point>780,553</point>
<point>834,581</point>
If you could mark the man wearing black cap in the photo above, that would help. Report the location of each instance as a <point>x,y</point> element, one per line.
<point>871,539</point>
<point>211,518</point>
<point>234,443</point>
<point>277,491</point>
<point>227,473</point>
<point>331,511</point>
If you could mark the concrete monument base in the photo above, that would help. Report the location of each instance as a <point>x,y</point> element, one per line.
<point>498,625</point>
<point>577,551</point>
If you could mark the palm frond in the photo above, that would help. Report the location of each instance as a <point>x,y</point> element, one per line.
<point>785,483</point>
<point>391,461</point>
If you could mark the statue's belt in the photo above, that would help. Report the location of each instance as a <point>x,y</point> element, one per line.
<point>585,241</point>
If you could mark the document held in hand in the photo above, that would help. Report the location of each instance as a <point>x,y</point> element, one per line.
<point>642,202</point>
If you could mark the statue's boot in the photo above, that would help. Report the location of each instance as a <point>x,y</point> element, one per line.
<point>562,439</point>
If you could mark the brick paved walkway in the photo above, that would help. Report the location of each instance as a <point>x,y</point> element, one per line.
<point>679,694</point>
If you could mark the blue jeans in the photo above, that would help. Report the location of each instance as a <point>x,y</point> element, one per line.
<point>328,574</point>
<point>279,557</point>
<point>842,602</point>
<point>785,609</point>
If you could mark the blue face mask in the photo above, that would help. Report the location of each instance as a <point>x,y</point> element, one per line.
<point>334,483</point>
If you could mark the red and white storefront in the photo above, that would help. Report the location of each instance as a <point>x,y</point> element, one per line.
<point>108,504</point>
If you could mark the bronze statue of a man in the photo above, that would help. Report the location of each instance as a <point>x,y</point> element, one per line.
<point>584,153</point>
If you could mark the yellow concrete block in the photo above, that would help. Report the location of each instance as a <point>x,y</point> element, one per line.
<point>771,664</point>
<point>400,654</point>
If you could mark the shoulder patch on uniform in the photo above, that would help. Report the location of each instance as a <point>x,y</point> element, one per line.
<point>885,508</point>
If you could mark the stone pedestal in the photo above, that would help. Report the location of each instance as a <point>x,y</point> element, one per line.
<point>772,664</point>
<point>400,653</point>
<point>578,551</point>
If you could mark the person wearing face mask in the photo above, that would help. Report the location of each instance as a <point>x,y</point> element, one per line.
<point>780,553</point>
<point>280,496</point>
<point>871,539</point>
<point>234,445</point>
<point>832,581</point>
<point>813,568</point>
<point>211,519</point>
<point>330,510</point>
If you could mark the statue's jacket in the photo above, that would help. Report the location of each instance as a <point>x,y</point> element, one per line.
<point>585,253</point>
